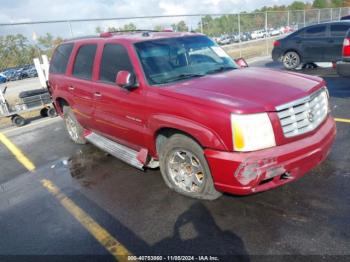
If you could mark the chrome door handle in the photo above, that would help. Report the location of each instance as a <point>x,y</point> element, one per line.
<point>71,88</point>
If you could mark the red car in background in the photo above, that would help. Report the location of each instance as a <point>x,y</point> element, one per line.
<point>177,101</point>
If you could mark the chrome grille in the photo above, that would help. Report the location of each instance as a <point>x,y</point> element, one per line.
<point>303,115</point>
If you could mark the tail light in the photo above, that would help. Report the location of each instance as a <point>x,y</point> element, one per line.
<point>346,47</point>
<point>276,43</point>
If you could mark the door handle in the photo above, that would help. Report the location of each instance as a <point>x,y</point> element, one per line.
<point>71,88</point>
<point>97,94</point>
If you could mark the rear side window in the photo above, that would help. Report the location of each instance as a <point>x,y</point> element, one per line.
<point>339,30</point>
<point>60,59</point>
<point>316,31</point>
<point>84,61</point>
<point>114,59</point>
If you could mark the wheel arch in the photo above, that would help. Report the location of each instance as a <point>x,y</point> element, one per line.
<point>59,104</point>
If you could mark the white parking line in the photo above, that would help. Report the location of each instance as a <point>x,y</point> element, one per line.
<point>32,125</point>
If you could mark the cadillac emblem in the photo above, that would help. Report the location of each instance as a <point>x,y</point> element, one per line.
<point>310,116</point>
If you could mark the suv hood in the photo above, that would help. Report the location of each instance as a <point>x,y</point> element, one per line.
<point>248,90</point>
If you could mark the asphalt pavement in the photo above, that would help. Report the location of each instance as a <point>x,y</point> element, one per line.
<point>82,204</point>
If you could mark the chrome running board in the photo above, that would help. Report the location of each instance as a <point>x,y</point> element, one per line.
<point>124,153</point>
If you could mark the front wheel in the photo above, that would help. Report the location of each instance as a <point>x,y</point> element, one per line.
<point>185,169</point>
<point>291,60</point>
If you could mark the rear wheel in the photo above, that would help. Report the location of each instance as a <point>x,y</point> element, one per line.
<point>74,129</point>
<point>291,60</point>
<point>185,169</point>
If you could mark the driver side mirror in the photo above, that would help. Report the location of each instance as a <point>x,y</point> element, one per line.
<point>241,62</point>
<point>126,79</point>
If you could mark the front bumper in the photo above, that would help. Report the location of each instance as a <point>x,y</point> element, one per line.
<point>343,68</point>
<point>252,172</point>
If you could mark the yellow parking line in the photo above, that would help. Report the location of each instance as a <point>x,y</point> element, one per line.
<point>17,153</point>
<point>101,235</point>
<point>344,120</point>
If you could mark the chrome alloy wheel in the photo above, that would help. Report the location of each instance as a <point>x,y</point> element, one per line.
<point>186,171</point>
<point>291,60</point>
<point>72,128</point>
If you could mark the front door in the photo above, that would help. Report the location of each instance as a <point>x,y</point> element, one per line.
<point>117,110</point>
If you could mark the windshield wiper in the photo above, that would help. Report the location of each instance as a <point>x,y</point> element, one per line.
<point>220,69</point>
<point>182,77</point>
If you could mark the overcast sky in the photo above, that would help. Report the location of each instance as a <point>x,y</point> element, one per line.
<point>33,10</point>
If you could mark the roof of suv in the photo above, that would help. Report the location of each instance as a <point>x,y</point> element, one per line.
<point>135,37</point>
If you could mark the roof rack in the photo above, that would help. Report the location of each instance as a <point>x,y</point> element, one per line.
<point>111,33</point>
<point>81,37</point>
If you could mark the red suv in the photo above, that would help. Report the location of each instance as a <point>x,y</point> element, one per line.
<point>177,101</point>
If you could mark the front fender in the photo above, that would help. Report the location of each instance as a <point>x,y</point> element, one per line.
<point>206,137</point>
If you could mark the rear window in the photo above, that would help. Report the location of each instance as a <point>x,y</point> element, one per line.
<point>60,59</point>
<point>316,31</point>
<point>339,30</point>
<point>84,61</point>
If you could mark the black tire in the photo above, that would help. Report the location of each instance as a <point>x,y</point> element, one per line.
<point>43,112</point>
<point>51,112</point>
<point>77,133</point>
<point>182,142</point>
<point>291,60</point>
<point>18,121</point>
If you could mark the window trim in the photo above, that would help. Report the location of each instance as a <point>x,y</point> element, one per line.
<point>78,47</point>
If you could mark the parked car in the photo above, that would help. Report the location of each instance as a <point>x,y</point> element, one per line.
<point>316,43</point>
<point>178,101</point>
<point>225,40</point>
<point>347,17</point>
<point>258,34</point>
<point>246,36</point>
<point>343,67</point>
<point>3,78</point>
<point>274,32</point>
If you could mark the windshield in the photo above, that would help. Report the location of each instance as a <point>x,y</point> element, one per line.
<point>175,59</point>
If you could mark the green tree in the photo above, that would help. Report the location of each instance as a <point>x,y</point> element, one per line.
<point>48,43</point>
<point>180,27</point>
<point>320,4</point>
<point>297,5</point>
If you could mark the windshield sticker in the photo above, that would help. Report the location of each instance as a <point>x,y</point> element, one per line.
<point>219,51</point>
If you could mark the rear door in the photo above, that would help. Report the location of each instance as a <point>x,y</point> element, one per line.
<point>81,86</point>
<point>313,42</point>
<point>337,35</point>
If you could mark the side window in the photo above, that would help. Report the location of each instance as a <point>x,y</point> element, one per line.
<point>339,30</point>
<point>315,31</point>
<point>84,61</point>
<point>60,59</point>
<point>114,59</point>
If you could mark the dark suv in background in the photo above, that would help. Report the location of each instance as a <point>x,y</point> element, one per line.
<point>316,43</point>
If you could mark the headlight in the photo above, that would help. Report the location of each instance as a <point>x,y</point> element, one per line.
<point>252,132</point>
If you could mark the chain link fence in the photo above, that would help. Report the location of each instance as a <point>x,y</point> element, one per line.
<point>21,42</point>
